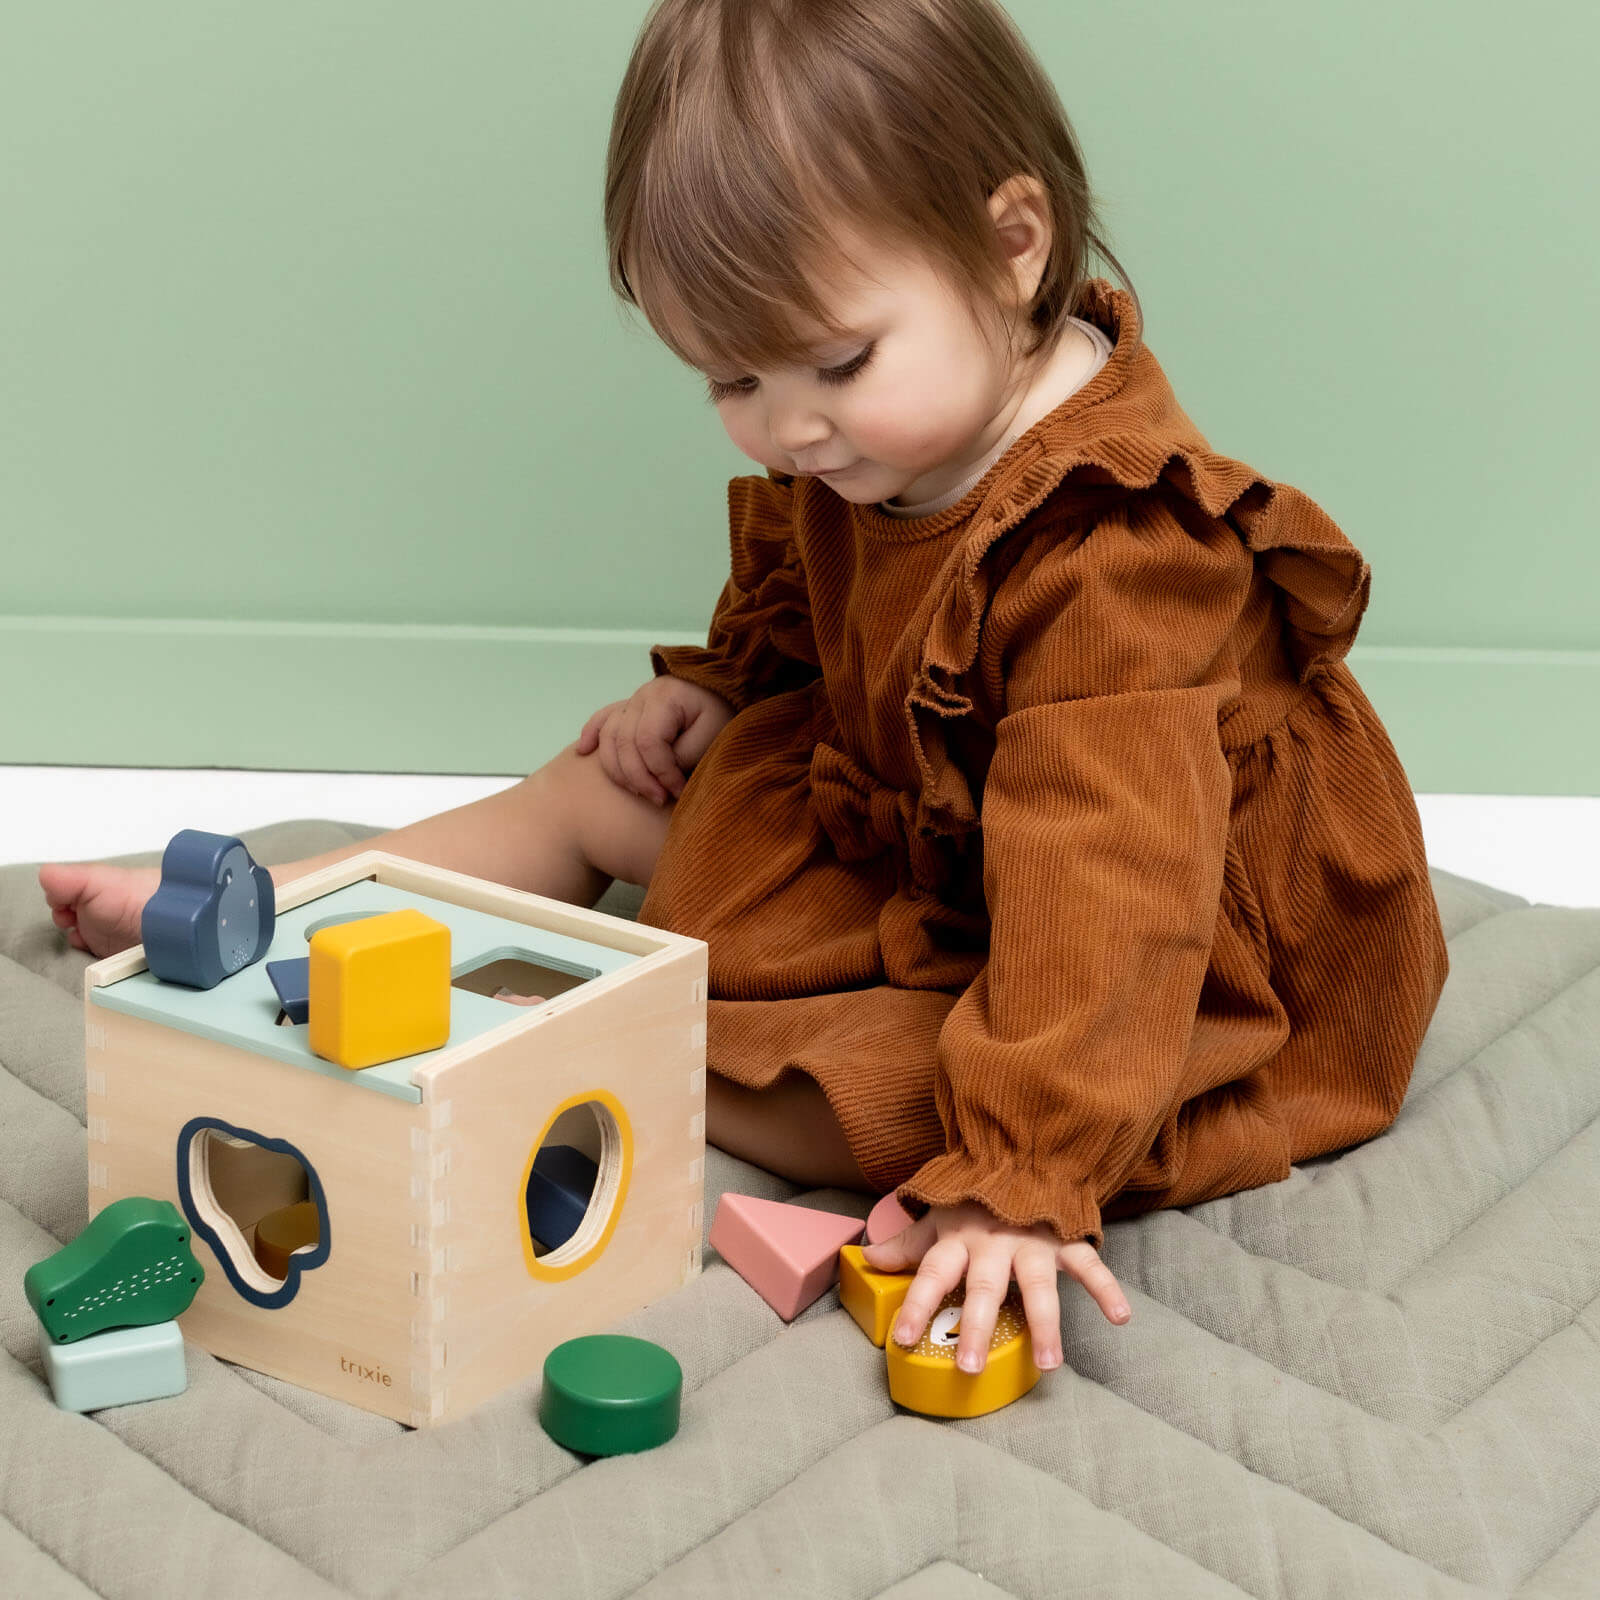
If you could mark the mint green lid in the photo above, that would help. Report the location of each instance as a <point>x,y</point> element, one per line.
<point>608,1394</point>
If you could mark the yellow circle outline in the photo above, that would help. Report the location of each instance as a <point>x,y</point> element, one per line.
<point>554,1266</point>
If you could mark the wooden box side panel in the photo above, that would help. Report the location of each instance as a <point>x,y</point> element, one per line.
<point>356,1328</point>
<point>639,1044</point>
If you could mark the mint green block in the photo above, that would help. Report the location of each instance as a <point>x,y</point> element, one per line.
<point>116,1368</point>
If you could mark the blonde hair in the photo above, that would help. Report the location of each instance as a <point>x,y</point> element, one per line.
<point>745,130</point>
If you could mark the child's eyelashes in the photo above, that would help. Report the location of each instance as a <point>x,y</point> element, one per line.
<point>844,374</point>
<point>717,392</point>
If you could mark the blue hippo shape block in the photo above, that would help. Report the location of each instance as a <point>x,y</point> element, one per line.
<point>213,913</point>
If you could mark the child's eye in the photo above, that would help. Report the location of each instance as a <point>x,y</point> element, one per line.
<point>854,365</point>
<point>717,392</point>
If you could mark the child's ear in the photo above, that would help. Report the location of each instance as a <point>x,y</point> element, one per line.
<point>1020,208</point>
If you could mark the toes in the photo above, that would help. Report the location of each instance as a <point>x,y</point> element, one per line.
<point>63,883</point>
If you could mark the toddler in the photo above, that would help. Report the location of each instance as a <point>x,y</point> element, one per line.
<point>1053,865</point>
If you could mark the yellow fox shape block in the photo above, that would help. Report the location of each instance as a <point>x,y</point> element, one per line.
<point>379,988</point>
<point>925,1377</point>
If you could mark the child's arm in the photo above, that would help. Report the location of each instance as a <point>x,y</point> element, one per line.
<point>760,640</point>
<point>1104,822</point>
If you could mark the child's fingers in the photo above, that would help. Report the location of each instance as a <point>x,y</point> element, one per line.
<point>620,757</point>
<point>1036,1282</point>
<point>901,1250</point>
<point>639,777</point>
<point>931,1284</point>
<point>589,733</point>
<point>980,1310</point>
<point>939,1272</point>
<point>1082,1260</point>
<point>649,762</point>
<point>601,753</point>
<point>657,730</point>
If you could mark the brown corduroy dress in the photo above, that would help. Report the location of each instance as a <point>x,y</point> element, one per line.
<point>1053,836</point>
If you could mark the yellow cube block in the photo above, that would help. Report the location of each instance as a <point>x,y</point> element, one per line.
<point>379,988</point>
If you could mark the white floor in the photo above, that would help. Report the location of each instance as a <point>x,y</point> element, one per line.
<point>1544,847</point>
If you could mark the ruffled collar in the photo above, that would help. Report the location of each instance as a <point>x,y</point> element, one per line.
<point>1124,428</point>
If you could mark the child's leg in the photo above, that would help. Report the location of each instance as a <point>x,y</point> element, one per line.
<point>565,831</point>
<point>789,1129</point>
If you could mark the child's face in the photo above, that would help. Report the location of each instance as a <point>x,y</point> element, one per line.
<point>933,397</point>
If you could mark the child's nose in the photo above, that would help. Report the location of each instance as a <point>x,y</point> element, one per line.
<point>801,435</point>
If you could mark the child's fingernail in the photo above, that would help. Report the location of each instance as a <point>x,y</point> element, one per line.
<point>1046,1363</point>
<point>903,1333</point>
<point>968,1362</point>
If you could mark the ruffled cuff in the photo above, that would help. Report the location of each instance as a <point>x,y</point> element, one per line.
<point>1016,1198</point>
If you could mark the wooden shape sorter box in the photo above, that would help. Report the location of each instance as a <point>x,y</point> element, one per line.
<point>426,1292</point>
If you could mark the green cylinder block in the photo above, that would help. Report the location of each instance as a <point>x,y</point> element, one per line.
<point>607,1394</point>
<point>131,1267</point>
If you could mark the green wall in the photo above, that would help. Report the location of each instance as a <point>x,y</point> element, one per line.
<point>322,443</point>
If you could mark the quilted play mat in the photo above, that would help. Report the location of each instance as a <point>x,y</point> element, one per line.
<point>1378,1377</point>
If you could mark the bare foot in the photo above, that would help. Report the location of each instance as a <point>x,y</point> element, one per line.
<point>98,907</point>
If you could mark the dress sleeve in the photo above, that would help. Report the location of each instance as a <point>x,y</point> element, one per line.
<point>1104,819</point>
<point>760,640</point>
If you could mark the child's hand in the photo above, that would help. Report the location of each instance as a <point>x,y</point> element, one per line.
<point>968,1238</point>
<point>649,742</point>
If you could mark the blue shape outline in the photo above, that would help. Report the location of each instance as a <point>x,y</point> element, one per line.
<point>298,1264</point>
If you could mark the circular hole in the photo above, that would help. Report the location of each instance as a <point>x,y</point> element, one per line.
<point>573,1183</point>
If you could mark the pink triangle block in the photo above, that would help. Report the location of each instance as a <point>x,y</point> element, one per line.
<point>788,1254</point>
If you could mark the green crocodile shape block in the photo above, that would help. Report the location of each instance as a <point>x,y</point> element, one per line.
<point>131,1267</point>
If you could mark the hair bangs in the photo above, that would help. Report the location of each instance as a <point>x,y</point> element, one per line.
<point>731,256</point>
<point>752,138</point>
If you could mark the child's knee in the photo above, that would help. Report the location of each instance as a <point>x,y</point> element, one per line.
<point>619,832</point>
